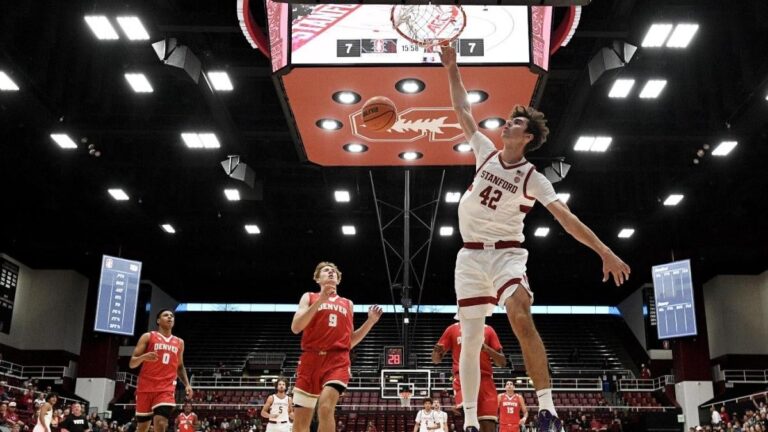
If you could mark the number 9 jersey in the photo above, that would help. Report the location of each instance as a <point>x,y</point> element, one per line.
<point>495,204</point>
<point>160,375</point>
<point>331,327</point>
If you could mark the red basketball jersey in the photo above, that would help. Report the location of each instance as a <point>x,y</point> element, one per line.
<point>331,327</point>
<point>160,375</point>
<point>510,408</point>
<point>186,423</point>
<point>451,341</point>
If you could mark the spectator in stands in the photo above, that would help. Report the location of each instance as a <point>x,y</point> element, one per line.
<point>3,392</point>
<point>76,421</point>
<point>3,423</point>
<point>371,427</point>
<point>645,373</point>
<point>39,401</point>
<point>716,419</point>
<point>12,417</point>
<point>724,416</point>
<point>596,425</point>
<point>224,424</point>
<point>340,427</point>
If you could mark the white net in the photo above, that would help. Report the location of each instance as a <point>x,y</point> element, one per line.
<point>429,25</point>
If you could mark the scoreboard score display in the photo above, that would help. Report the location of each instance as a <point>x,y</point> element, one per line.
<point>118,295</point>
<point>363,34</point>
<point>394,356</point>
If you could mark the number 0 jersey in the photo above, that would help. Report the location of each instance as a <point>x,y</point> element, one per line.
<point>495,204</point>
<point>160,375</point>
<point>331,327</point>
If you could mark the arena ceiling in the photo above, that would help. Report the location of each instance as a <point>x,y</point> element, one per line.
<point>56,212</point>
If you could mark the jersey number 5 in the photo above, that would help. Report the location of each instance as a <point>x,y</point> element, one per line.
<point>489,200</point>
<point>332,320</point>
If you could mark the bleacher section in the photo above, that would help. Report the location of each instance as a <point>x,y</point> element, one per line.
<point>574,342</point>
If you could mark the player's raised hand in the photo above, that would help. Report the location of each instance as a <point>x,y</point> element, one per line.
<point>614,266</point>
<point>151,356</point>
<point>448,55</point>
<point>375,312</point>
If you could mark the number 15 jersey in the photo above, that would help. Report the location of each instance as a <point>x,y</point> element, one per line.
<point>331,327</point>
<point>495,204</point>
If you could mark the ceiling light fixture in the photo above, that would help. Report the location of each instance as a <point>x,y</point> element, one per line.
<point>541,232</point>
<point>673,200</point>
<point>452,197</point>
<point>168,228</point>
<point>652,89</point>
<point>626,232</point>
<point>355,148</point>
<point>593,143</point>
<point>252,229</point>
<point>724,148</point>
<point>6,83</point>
<point>348,230</point>
<point>220,81</point>
<point>346,97</point>
<point>341,196</point>
<point>682,35</point>
<point>133,28</point>
<point>64,141</point>
<point>118,194</point>
<point>656,35</point>
<point>621,88</point>
<point>476,96</point>
<point>463,148</point>
<point>328,124</point>
<point>492,123</point>
<point>446,231</point>
<point>410,155</point>
<point>232,194</point>
<point>410,86</point>
<point>139,82</point>
<point>195,140</point>
<point>101,27</point>
<point>564,197</point>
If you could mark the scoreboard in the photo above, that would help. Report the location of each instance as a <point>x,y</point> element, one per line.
<point>335,34</point>
<point>673,292</point>
<point>118,295</point>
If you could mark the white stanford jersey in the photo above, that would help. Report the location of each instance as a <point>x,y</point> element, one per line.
<point>425,420</point>
<point>280,408</point>
<point>494,206</point>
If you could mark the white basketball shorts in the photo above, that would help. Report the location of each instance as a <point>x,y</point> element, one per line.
<point>487,277</point>
<point>278,427</point>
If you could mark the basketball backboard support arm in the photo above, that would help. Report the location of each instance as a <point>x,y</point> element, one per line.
<point>399,271</point>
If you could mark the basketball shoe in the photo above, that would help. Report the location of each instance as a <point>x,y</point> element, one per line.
<point>546,422</point>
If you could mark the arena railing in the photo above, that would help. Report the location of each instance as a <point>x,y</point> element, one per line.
<point>371,380</point>
<point>65,400</point>
<point>646,385</point>
<point>746,376</point>
<point>129,379</point>
<point>33,372</point>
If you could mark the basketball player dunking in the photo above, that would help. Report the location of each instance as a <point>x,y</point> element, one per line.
<point>278,409</point>
<point>512,410</point>
<point>325,319</point>
<point>161,356</point>
<point>186,420</point>
<point>491,266</point>
<point>491,351</point>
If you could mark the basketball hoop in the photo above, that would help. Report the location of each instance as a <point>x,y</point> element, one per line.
<point>428,25</point>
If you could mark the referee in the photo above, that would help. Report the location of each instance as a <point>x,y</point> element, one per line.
<point>76,421</point>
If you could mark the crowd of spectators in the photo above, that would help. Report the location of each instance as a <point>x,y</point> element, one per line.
<point>750,418</point>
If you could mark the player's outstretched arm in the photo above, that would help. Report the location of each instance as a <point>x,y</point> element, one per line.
<point>374,313</point>
<point>139,355</point>
<point>458,92</point>
<point>612,264</point>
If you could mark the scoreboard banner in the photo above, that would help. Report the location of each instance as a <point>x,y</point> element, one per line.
<point>673,290</point>
<point>9,279</point>
<point>118,295</point>
<point>363,34</point>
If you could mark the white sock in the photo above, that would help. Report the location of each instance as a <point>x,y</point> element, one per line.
<point>545,400</point>
<point>472,335</point>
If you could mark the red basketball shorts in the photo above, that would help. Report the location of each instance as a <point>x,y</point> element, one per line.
<point>146,402</point>
<point>315,371</point>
